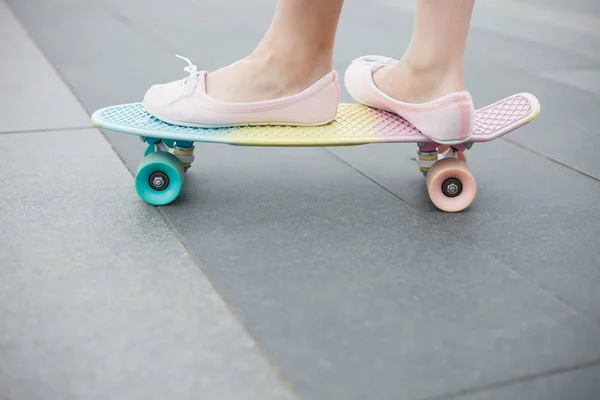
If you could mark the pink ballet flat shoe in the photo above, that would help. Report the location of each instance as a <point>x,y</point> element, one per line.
<point>185,102</point>
<point>446,120</point>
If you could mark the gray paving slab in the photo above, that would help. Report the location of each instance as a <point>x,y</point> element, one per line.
<point>581,384</point>
<point>33,96</point>
<point>99,297</point>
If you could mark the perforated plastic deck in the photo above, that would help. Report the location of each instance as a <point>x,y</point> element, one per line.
<point>354,124</point>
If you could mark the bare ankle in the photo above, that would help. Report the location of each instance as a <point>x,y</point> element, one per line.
<point>296,62</point>
<point>447,74</point>
<point>291,71</point>
<point>265,75</point>
<point>419,83</point>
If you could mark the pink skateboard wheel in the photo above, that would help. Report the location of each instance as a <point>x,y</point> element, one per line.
<point>450,184</point>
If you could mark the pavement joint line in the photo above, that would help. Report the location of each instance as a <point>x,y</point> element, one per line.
<point>511,382</point>
<point>537,153</point>
<point>51,65</point>
<point>271,360</point>
<point>573,68</point>
<point>369,178</point>
<point>41,51</point>
<point>68,128</point>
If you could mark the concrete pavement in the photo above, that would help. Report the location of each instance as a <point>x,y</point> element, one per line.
<point>293,273</point>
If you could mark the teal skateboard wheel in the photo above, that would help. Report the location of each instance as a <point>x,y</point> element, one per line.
<point>159,178</point>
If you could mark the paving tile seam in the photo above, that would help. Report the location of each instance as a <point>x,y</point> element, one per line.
<point>49,130</point>
<point>37,47</point>
<point>572,68</point>
<point>553,160</point>
<point>534,43</point>
<point>270,360</point>
<point>281,374</point>
<point>348,164</point>
<point>514,381</point>
<point>545,291</point>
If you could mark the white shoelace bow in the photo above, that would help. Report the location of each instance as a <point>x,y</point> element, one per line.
<point>190,82</point>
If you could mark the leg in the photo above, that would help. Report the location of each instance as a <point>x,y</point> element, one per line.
<point>432,66</point>
<point>296,51</point>
<point>430,72</point>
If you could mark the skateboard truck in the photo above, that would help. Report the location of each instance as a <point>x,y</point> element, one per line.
<point>428,154</point>
<point>183,150</point>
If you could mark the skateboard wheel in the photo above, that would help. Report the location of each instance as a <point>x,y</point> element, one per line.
<point>450,185</point>
<point>159,178</point>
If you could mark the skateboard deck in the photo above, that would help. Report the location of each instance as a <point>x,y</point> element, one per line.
<point>355,124</point>
<point>170,150</point>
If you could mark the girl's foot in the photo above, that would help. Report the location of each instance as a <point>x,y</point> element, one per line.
<point>255,78</point>
<point>254,90</point>
<point>432,99</point>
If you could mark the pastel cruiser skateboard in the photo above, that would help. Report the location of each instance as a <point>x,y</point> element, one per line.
<point>450,184</point>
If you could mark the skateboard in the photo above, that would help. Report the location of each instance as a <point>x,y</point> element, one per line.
<point>450,184</point>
